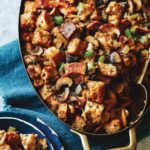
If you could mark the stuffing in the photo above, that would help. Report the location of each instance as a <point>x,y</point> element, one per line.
<point>62,111</point>
<point>67,29</point>
<point>41,38</point>
<point>26,36</point>
<point>28,141</point>
<point>79,123</point>
<point>45,21</point>
<point>108,69</point>
<point>114,10</point>
<point>53,103</point>
<point>95,92</point>
<point>84,10</point>
<point>11,138</point>
<point>29,7</point>
<point>5,147</point>
<point>59,40</point>
<point>75,69</point>
<point>80,55</point>
<point>46,91</point>
<point>49,73</point>
<point>28,21</point>
<point>76,47</point>
<point>54,55</point>
<point>113,126</point>
<point>93,112</point>
<point>107,42</point>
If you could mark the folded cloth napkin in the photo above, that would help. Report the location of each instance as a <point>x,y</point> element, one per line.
<point>17,95</point>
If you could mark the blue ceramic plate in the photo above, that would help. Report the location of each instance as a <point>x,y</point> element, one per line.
<point>26,124</point>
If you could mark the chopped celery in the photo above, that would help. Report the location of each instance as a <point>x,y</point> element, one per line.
<point>104,16</point>
<point>143,39</point>
<point>128,33</point>
<point>101,58</point>
<point>80,7</point>
<point>58,20</point>
<point>61,67</point>
<point>88,53</point>
<point>133,30</point>
<point>11,129</point>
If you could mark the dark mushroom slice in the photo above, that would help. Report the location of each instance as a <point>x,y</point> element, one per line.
<point>37,51</point>
<point>62,81</point>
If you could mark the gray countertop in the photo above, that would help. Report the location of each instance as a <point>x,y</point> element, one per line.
<point>9,32</point>
<point>8,20</point>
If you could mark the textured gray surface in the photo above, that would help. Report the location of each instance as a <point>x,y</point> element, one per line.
<point>8,20</point>
<point>8,32</point>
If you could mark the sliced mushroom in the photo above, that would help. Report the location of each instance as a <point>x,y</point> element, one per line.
<point>142,30</point>
<point>130,8</point>
<point>110,28</point>
<point>63,81</point>
<point>124,114</point>
<point>63,97</point>
<point>37,51</point>
<point>92,40</point>
<point>138,4</point>
<point>29,59</point>
<point>59,41</point>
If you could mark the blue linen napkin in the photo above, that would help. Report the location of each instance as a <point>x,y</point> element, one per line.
<point>17,95</point>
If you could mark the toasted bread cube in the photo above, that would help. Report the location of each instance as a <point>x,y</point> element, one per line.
<point>11,138</point>
<point>28,21</point>
<point>54,55</point>
<point>45,21</point>
<point>107,41</point>
<point>28,141</point>
<point>93,112</point>
<point>46,3</point>
<point>1,133</point>
<point>76,47</point>
<point>41,38</point>
<point>108,69</point>
<point>113,126</point>
<point>53,103</point>
<point>62,111</point>
<point>42,144</point>
<point>75,69</point>
<point>79,123</point>
<point>26,36</point>
<point>46,92</point>
<point>5,147</point>
<point>49,73</point>
<point>95,92</point>
<point>114,10</point>
<point>29,7</point>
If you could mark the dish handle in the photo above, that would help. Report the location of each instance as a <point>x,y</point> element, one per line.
<point>132,138</point>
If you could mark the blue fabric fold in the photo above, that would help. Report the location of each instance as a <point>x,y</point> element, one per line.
<point>17,95</point>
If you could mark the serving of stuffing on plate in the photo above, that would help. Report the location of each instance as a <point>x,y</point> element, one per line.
<point>80,56</point>
<point>13,140</point>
